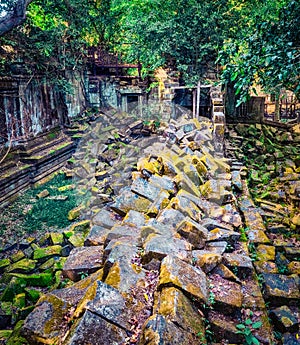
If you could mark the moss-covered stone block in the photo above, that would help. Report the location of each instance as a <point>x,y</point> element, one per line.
<point>38,279</point>
<point>82,226</point>
<point>56,238</point>
<point>24,265</point>
<point>33,294</point>
<point>19,255</point>
<point>5,334</point>
<point>19,300</point>
<point>42,253</point>
<point>75,212</point>
<point>4,263</point>
<point>15,286</point>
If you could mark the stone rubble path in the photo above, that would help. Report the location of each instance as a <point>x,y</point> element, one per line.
<point>161,258</point>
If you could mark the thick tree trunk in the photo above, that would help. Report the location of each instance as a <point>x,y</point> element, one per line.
<point>13,14</point>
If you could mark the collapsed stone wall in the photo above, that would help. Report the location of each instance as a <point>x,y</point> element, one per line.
<point>163,254</point>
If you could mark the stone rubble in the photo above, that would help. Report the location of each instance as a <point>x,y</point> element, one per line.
<point>162,257</point>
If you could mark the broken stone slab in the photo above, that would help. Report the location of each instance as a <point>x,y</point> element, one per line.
<point>92,329</point>
<point>193,232</point>
<point>83,260</point>
<point>127,200</point>
<point>176,307</point>
<point>123,231</point>
<point>155,227</point>
<point>241,263</point>
<point>186,207</point>
<point>183,182</point>
<point>105,218</point>
<point>224,327</point>
<point>157,247</point>
<point>109,304</point>
<point>285,319</point>
<point>227,294</point>
<point>182,275</point>
<point>216,247</point>
<point>221,234</point>
<point>124,275</point>
<point>265,252</point>
<point>280,288</point>
<point>225,273</point>
<point>212,224</point>
<point>262,266</point>
<point>170,217</point>
<point>161,202</point>
<point>46,323</point>
<point>164,182</point>
<point>135,218</point>
<point>44,253</point>
<point>159,330</point>
<point>252,296</point>
<point>24,265</point>
<point>119,248</point>
<point>206,260</point>
<point>96,236</point>
<point>145,189</point>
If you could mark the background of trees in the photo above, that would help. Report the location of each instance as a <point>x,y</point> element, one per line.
<point>253,41</point>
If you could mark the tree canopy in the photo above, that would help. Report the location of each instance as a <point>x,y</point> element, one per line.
<point>247,42</point>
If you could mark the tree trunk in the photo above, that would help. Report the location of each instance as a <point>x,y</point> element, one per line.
<point>14,14</point>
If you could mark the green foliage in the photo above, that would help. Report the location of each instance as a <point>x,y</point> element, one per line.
<point>265,51</point>
<point>246,330</point>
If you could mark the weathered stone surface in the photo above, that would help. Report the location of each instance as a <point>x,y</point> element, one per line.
<point>119,231</point>
<point>105,218</point>
<point>83,260</point>
<point>176,307</point>
<point>206,259</point>
<point>193,232</point>
<point>292,252</point>
<point>290,339</point>
<point>96,236</point>
<point>183,182</point>
<point>285,319</point>
<point>225,272</point>
<point>41,253</point>
<point>227,294</point>
<point>262,266</point>
<point>161,202</point>
<point>294,267</point>
<point>164,182</point>
<point>224,327</point>
<point>128,200</point>
<point>159,330</point>
<point>186,207</point>
<point>109,304</point>
<point>135,218</point>
<point>145,189</point>
<point>123,275</point>
<point>239,262</point>
<point>279,287</point>
<point>212,224</point>
<point>184,276</point>
<point>170,217</point>
<point>24,265</point>
<point>266,253</point>
<point>157,247</point>
<point>45,324</point>
<point>218,234</point>
<point>92,329</point>
<point>217,247</point>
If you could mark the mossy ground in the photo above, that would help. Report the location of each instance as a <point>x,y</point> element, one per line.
<point>30,215</point>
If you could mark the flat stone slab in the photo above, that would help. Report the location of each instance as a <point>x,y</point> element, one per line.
<point>135,218</point>
<point>109,304</point>
<point>46,320</point>
<point>83,260</point>
<point>285,319</point>
<point>279,286</point>
<point>128,200</point>
<point>184,276</point>
<point>105,218</point>
<point>157,247</point>
<point>227,294</point>
<point>145,189</point>
<point>94,330</point>
<point>240,262</point>
<point>170,217</point>
<point>193,232</point>
<point>206,260</point>
<point>159,330</point>
<point>96,236</point>
<point>175,306</point>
